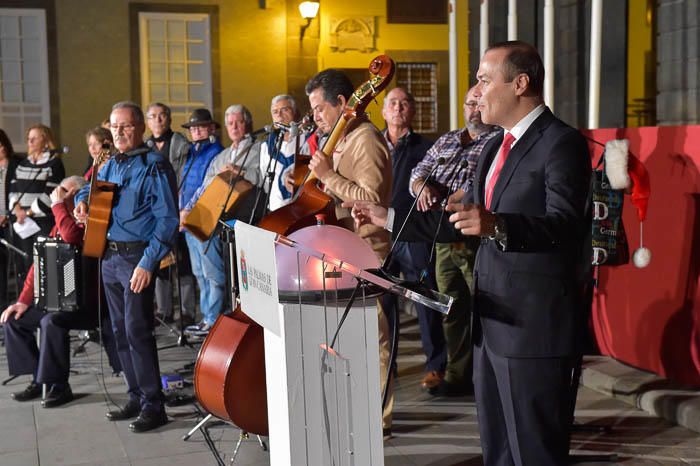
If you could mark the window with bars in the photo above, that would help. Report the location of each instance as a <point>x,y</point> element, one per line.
<point>24,74</point>
<point>420,79</point>
<point>175,55</point>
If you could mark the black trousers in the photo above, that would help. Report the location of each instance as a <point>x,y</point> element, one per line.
<point>50,362</point>
<point>524,408</point>
<point>132,322</point>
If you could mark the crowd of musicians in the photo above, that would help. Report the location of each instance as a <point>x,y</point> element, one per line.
<point>493,214</point>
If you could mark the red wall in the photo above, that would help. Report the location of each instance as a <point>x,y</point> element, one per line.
<point>650,318</point>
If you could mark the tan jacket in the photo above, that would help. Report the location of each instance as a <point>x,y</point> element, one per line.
<point>362,166</point>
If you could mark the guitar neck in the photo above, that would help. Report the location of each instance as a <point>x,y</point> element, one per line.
<point>332,141</point>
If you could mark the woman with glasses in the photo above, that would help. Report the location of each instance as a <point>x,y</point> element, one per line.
<point>35,178</point>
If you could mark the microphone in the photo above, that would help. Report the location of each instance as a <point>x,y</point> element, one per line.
<point>292,128</point>
<point>13,248</point>
<point>210,139</point>
<point>59,150</point>
<point>264,130</point>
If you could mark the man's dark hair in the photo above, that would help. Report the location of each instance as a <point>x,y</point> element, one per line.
<point>522,58</point>
<point>333,82</point>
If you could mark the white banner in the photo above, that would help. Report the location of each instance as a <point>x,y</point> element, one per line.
<point>257,275</point>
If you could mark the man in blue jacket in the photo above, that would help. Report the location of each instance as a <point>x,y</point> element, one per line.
<point>208,267</point>
<point>141,232</point>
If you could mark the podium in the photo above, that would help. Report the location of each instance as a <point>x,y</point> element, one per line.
<point>324,404</point>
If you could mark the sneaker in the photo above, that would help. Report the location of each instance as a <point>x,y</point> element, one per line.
<point>195,327</point>
<point>32,392</point>
<point>202,331</point>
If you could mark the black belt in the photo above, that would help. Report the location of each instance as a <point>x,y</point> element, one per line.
<point>126,246</point>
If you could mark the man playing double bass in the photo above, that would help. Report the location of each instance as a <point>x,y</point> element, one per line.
<point>141,231</point>
<point>360,168</point>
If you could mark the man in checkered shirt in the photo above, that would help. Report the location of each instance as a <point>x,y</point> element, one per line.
<point>454,261</point>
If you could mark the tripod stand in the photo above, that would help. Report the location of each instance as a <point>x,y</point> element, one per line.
<point>181,335</point>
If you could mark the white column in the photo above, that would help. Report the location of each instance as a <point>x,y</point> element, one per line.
<point>549,53</point>
<point>512,19</point>
<point>483,28</point>
<point>594,69</point>
<point>454,98</point>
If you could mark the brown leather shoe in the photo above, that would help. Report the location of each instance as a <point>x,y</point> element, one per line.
<point>432,379</point>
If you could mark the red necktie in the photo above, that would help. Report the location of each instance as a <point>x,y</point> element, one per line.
<point>500,160</point>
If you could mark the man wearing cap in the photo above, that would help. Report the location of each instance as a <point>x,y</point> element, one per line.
<point>208,267</point>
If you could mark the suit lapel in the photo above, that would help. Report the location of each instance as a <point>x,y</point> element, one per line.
<point>521,149</point>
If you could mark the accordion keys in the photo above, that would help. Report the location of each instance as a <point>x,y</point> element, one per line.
<point>57,275</point>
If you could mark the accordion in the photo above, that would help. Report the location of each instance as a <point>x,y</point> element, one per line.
<point>58,274</point>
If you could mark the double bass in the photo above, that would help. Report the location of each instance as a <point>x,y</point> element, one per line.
<point>229,376</point>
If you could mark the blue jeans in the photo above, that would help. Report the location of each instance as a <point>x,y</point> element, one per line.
<point>209,270</point>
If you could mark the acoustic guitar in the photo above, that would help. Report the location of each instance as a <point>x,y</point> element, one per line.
<point>100,209</point>
<point>201,220</point>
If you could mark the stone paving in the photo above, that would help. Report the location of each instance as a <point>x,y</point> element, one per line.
<point>427,431</point>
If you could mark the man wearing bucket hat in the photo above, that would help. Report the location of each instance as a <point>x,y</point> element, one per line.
<point>207,267</point>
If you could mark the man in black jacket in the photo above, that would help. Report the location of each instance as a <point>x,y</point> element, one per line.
<point>411,258</point>
<point>174,147</point>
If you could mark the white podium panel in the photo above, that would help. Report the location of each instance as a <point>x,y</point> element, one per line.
<point>324,407</point>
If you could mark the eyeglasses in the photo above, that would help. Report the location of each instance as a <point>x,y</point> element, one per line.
<point>125,128</point>
<point>157,116</point>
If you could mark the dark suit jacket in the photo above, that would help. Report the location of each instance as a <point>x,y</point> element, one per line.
<point>529,294</point>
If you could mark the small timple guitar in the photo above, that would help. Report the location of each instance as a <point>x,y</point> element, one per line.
<point>100,209</point>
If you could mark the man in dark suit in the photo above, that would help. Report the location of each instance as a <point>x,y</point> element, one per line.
<point>528,205</point>
<point>411,258</point>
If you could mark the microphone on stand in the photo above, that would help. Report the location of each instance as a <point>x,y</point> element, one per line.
<point>292,128</point>
<point>13,248</point>
<point>59,150</point>
<point>267,129</point>
<point>451,188</point>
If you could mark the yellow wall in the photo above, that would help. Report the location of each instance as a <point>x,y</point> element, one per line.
<point>94,68</point>
<point>639,36</point>
<point>390,37</point>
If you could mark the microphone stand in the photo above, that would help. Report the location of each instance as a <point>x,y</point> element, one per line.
<point>383,271</point>
<point>269,177</point>
<point>232,185</point>
<point>452,188</point>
